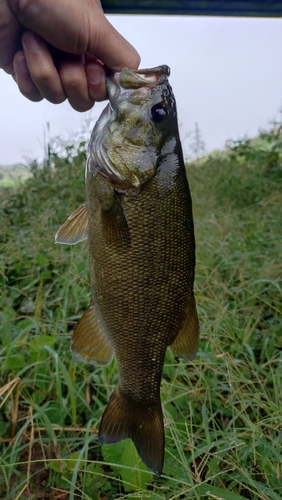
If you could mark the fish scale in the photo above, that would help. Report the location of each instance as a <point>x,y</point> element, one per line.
<point>141,244</point>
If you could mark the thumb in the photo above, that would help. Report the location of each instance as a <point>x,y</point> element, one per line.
<point>107,44</point>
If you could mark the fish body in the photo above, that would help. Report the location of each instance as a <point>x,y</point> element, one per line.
<point>139,225</point>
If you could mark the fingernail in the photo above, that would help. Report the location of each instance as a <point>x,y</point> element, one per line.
<point>94,73</point>
<point>20,64</point>
<point>31,42</point>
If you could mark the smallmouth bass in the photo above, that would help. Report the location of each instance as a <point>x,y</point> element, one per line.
<point>139,224</point>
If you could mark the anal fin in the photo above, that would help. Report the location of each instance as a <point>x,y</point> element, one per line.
<point>90,342</point>
<point>75,228</point>
<point>186,343</point>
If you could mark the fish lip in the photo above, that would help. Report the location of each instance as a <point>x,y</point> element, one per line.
<point>144,77</point>
<point>113,88</point>
<point>128,80</point>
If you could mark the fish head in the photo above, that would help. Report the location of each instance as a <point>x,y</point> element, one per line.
<point>127,141</point>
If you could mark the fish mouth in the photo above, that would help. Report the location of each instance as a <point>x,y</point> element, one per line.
<point>128,80</point>
<point>133,84</point>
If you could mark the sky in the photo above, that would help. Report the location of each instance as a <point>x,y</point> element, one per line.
<point>226,74</point>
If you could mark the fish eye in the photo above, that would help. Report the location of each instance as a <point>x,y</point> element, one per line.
<point>159,113</point>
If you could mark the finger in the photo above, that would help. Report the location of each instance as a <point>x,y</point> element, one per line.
<point>41,68</point>
<point>96,78</point>
<point>23,78</point>
<point>10,37</point>
<point>77,27</point>
<point>110,46</point>
<point>74,82</point>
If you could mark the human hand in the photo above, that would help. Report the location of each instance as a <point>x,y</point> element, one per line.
<point>59,50</point>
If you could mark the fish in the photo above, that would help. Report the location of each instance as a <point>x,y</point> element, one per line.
<point>139,224</point>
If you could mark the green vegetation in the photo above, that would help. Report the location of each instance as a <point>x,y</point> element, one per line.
<point>222,412</point>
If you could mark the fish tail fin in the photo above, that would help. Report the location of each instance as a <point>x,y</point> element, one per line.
<point>144,425</point>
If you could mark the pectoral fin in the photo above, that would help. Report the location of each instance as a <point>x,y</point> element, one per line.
<point>90,342</point>
<point>115,226</point>
<point>187,341</point>
<point>75,228</point>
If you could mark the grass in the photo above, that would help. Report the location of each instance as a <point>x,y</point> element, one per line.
<point>223,414</point>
